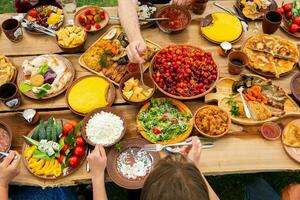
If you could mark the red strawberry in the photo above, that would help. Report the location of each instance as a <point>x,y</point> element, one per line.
<point>97,18</point>
<point>92,22</point>
<point>82,20</point>
<point>97,26</point>
<point>32,13</point>
<point>102,14</point>
<point>87,12</point>
<point>88,27</point>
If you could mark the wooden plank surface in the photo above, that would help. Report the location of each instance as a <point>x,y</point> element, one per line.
<point>242,152</point>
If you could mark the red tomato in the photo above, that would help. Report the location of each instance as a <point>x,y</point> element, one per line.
<point>280,10</point>
<point>32,13</point>
<point>287,7</point>
<point>156,131</point>
<point>61,158</point>
<point>79,151</point>
<point>80,141</point>
<point>289,15</point>
<point>65,148</point>
<point>73,123</point>
<point>74,161</point>
<point>296,20</point>
<point>67,128</point>
<point>293,28</point>
<point>87,12</point>
<point>175,120</point>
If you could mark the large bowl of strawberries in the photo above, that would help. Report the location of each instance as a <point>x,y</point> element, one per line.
<point>184,72</point>
<point>91,18</point>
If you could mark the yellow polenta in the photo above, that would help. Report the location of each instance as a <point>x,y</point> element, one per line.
<point>224,27</point>
<point>88,94</point>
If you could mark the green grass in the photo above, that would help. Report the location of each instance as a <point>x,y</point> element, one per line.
<point>228,187</point>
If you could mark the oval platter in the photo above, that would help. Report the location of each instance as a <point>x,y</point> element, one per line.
<point>224,92</point>
<point>68,169</point>
<point>293,152</point>
<point>70,68</point>
<point>182,107</point>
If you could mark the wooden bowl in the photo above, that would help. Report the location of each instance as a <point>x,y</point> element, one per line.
<point>137,75</point>
<point>68,171</point>
<point>4,126</point>
<point>110,96</point>
<point>205,134</point>
<point>112,168</point>
<point>81,11</point>
<point>70,68</point>
<point>72,49</point>
<point>294,85</point>
<point>166,9</point>
<point>91,114</point>
<point>182,107</point>
<point>181,97</point>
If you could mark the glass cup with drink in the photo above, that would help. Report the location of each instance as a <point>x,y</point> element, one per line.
<point>69,7</point>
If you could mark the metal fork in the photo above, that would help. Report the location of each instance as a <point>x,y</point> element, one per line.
<point>6,154</point>
<point>159,147</point>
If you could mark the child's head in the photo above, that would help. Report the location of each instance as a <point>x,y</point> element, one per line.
<point>174,178</point>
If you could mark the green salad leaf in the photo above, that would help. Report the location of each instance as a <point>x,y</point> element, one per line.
<point>43,69</point>
<point>25,87</point>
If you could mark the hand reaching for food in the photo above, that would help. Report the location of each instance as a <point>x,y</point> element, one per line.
<point>193,152</point>
<point>97,161</point>
<point>9,168</point>
<point>181,2</point>
<point>135,51</point>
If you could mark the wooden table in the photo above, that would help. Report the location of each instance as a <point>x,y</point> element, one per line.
<point>241,152</point>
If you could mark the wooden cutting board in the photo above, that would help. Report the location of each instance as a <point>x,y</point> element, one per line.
<point>224,92</point>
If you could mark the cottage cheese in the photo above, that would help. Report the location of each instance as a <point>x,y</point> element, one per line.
<point>104,128</point>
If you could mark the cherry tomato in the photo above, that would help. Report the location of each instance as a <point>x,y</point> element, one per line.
<point>67,127</point>
<point>289,15</point>
<point>293,28</point>
<point>61,158</point>
<point>73,123</point>
<point>156,131</point>
<point>79,151</point>
<point>175,120</point>
<point>287,7</point>
<point>65,148</point>
<point>80,141</point>
<point>296,20</point>
<point>74,161</point>
<point>280,10</point>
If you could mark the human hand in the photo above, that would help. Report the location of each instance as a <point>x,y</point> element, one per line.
<point>193,152</point>
<point>97,161</point>
<point>9,168</point>
<point>181,2</point>
<point>135,51</point>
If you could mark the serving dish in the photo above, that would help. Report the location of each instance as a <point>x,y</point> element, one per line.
<point>194,81</point>
<point>110,94</point>
<point>91,18</point>
<point>8,70</point>
<point>213,124</point>
<point>146,10</point>
<point>269,103</point>
<point>49,16</point>
<point>36,149</point>
<point>295,85</point>
<point>114,39</point>
<point>149,83</point>
<point>179,18</point>
<point>114,172</point>
<point>255,11</point>
<point>292,151</point>
<point>55,68</point>
<point>267,59</point>
<point>219,27</point>
<point>91,115</point>
<point>5,141</point>
<point>163,119</point>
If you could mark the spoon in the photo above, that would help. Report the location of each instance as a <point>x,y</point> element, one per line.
<point>6,154</point>
<point>246,109</point>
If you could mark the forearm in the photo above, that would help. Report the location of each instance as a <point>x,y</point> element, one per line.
<point>4,192</point>
<point>129,19</point>
<point>211,192</point>
<point>99,192</point>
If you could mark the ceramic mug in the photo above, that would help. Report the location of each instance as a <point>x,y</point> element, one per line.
<point>237,61</point>
<point>271,22</point>
<point>9,95</point>
<point>13,30</point>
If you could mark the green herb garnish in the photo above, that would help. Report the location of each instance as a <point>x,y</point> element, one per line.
<point>118,147</point>
<point>235,108</point>
<point>103,59</point>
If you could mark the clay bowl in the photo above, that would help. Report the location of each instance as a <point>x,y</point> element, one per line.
<point>4,126</point>
<point>182,108</point>
<point>181,97</point>
<point>110,96</point>
<point>81,11</point>
<point>163,25</point>
<point>72,49</point>
<point>112,169</point>
<point>136,75</point>
<point>91,114</point>
<point>295,84</point>
<point>205,134</point>
<point>272,125</point>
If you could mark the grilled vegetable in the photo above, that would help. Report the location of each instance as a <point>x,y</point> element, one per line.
<point>59,126</point>
<point>35,134</point>
<point>53,133</point>
<point>42,131</point>
<point>50,124</point>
